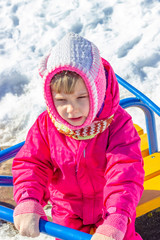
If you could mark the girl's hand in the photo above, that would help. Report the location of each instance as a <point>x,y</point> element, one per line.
<point>27,224</point>
<point>98,236</point>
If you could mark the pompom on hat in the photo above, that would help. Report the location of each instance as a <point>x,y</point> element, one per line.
<point>77,54</point>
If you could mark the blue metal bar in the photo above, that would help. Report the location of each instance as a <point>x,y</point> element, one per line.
<point>139,95</point>
<point>6,181</point>
<point>150,121</point>
<point>10,152</point>
<point>6,214</point>
<point>49,228</point>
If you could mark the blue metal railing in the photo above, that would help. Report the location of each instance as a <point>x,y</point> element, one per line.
<point>10,152</point>
<point>49,228</point>
<point>139,95</point>
<point>6,181</point>
<point>150,121</point>
<point>141,101</point>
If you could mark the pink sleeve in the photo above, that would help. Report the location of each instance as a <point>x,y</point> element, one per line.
<point>124,172</point>
<point>32,169</point>
<point>115,226</point>
<point>29,206</point>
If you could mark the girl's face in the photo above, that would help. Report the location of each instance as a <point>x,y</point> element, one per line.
<point>73,107</point>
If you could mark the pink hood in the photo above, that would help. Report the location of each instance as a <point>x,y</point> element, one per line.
<point>112,98</point>
<point>77,54</point>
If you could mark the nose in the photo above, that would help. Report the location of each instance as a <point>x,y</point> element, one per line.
<point>71,108</point>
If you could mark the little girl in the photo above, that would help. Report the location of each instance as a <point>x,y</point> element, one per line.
<point>83,153</point>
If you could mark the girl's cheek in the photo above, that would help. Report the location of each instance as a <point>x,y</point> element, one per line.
<point>60,110</point>
<point>85,107</point>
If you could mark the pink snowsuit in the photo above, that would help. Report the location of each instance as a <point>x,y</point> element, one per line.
<point>83,178</point>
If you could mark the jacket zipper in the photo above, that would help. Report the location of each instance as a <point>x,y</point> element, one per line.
<point>84,153</point>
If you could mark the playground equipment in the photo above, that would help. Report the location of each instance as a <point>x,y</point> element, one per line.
<point>149,147</point>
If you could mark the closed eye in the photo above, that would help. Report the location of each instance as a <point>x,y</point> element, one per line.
<point>60,100</point>
<point>81,97</point>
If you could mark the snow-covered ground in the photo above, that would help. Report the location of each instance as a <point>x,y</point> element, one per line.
<point>126,32</point>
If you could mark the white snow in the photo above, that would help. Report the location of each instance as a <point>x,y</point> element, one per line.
<point>126,32</point>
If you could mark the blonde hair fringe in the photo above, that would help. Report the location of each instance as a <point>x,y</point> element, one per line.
<point>64,81</point>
